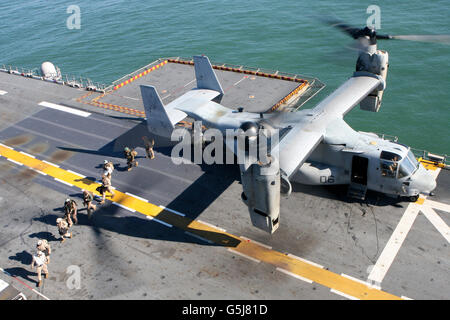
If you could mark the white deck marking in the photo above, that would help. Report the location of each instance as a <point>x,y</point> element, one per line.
<point>304,260</point>
<point>357,280</point>
<point>236,83</point>
<point>294,275</point>
<point>131,98</point>
<point>159,221</point>
<point>437,205</point>
<point>135,196</point>
<point>1,144</point>
<point>394,244</point>
<point>18,163</point>
<point>344,295</point>
<point>244,255</point>
<point>124,207</point>
<point>261,244</point>
<point>76,173</point>
<point>28,155</point>
<point>198,237</point>
<point>173,211</point>
<point>62,181</point>
<point>2,93</point>
<point>3,285</point>
<point>40,172</point>
<point>437,222</point>
<point>211,225</point>
<point>65,109</point>
<point>52,164</point>
<point>189,83</point>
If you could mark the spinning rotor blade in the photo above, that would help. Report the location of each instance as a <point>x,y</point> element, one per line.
<point>445,38</point>
<point>356,33</point>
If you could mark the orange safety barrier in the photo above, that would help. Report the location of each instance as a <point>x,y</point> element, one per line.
<point>94,102</point>
<point>289,96</point>
<point>260,74</point>
<point>139,75</point>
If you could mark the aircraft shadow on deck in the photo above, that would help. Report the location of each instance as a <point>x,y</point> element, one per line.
<point>107,217</point>
<point>339,193</point>
<point>132,139</point>
<point>192,201</point>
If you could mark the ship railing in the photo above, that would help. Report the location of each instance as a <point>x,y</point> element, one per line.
<point>388,137</point>
<point>262,70</point>
<point>438,159</point>
<point>66,79</point>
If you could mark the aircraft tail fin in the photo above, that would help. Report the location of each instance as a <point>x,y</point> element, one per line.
<point>160,121</point>
<point>205,75</point>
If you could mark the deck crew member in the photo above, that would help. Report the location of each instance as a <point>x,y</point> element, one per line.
<point>108,168</point>
<point>106,186</point>
<point>40,261</point>
<point>63,228</point>
<point>44,246</point>
<point>70,210</point>
<point>130,156</point>
<point>149,147</point>
<point>88,197</point>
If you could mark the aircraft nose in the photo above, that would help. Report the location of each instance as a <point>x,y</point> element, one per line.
<point>432,184</point>
<point>424,182</point>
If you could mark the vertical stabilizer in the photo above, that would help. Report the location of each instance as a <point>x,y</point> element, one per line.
<point>160,120</point>
<point>205,75</point>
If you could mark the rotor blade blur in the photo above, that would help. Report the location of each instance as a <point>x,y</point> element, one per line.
<point>424,38</point>
<point>339,24</point>
<point>347,29</point>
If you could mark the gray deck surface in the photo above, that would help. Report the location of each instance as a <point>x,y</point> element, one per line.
<point>123,255</point>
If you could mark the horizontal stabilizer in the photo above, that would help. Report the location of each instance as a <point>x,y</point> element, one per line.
<point>160,121</point>
<point>205,75</point>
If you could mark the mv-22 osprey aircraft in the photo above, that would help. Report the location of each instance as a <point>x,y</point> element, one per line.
<point>316,146</point>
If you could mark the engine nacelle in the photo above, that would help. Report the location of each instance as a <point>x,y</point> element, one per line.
<point>261,193</point>
<point>375,64</point>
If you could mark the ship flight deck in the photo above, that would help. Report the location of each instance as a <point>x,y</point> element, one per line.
<point>181,231</point>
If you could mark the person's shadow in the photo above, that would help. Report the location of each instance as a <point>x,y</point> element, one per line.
<point>23,257</point>
<point>22,273</point>
<point>44,235</point>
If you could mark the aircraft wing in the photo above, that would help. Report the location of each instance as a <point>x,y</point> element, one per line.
<point>348,95</point>
<point>310,128</point>
<point>295,148</point>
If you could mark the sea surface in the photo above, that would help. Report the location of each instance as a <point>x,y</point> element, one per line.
<point>117,37</point>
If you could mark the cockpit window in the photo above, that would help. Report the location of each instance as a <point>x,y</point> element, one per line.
<point>413,159</point>
<point>386,155</point>
<point>389,164</point>
<point>408,166</point>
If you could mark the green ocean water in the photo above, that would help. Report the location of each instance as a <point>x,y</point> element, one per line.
<point>117,37</point>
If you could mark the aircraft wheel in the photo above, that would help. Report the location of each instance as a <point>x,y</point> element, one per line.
<point>414,198</point>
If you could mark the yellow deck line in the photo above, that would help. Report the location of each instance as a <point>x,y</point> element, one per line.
<point>277,259</point>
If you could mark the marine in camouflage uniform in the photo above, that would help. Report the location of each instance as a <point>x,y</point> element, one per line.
<point>130,156</point>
